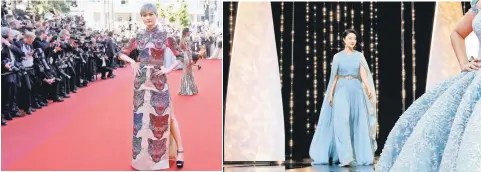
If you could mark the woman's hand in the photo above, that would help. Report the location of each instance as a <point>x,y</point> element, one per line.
<point>472,65</point>
<point>135,68</point>
<point>330,99</point>
<point>369,94</point>
<point>162,71</point>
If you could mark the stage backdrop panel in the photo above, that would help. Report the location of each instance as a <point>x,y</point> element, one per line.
<point>443,63</point>
<point>254,120</point>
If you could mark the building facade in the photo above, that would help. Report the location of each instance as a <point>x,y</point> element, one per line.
<point>108,14</point>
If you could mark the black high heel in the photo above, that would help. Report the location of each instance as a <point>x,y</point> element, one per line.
<point>179,164</point>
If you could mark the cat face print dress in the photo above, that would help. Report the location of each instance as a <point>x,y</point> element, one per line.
<point>152,103</point>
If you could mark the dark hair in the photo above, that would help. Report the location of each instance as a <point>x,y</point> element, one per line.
<point>39,31</point>
<point>184,31</point>
<point>347,32</point>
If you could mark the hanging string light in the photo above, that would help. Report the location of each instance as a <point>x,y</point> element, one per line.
<point>377,57</point>
<point>338,16</point>
<point>371,45</point>
<point>403,73</point>
<point>231,23</point>
<point>324,56</point>
<point>362,27</point>
<point>307,66</point>
<point>413,19</point>
<point>315,59</point>
<point>331,30</point>
<point>345,14</point>
<point>352,16</point>
<point>331,33</point>
<point>291,95</point>
<point>377,66</point>
<point>282,42</point>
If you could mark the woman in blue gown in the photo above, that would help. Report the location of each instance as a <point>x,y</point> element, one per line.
<point>441,131</point>
<point>347,124</point>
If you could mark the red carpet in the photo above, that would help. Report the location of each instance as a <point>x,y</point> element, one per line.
<point>92,130</point>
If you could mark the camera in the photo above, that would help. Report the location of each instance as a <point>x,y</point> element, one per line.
<point>14,68</point>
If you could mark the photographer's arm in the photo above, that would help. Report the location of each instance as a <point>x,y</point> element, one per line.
<point>16,50</point>
<point>5,61</point>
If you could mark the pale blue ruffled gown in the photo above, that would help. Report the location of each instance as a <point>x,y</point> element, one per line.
<point>343,132</point>
<point>441,131</point>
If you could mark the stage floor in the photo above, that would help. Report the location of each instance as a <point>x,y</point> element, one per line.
<point>300,166</point>
<point>317,168</point>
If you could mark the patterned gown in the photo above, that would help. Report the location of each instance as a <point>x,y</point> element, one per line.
<point>152,103</point>
<point>187,83</point>
<point>441,131</point>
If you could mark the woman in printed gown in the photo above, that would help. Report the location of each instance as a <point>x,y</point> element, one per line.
<point>154,121</point>
<point>187,83</point>
<point>441,131</point>
<point>347,124</point>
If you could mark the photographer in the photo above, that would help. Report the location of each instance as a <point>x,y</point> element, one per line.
<point>42,40</point>
<point>42,61</point>
<point>90,68</point>
<point>66,58</point>
<point>102,60</point>
<point>9,75</point>
<point>53,76</point>
<point>40,44</point>
<point>28,102</point>
<point>9,18</point>
<point>110,50</point>
<point>79,62</point>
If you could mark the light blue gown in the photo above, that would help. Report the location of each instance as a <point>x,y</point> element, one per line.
<point>441,131</point>
<point>346,131</point>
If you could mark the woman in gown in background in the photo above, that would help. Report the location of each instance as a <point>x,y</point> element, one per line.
<point>346,128</point>
<point>441,131</point>
<point>187,83</point>
<point>154,121</point>
<point>217,54</point>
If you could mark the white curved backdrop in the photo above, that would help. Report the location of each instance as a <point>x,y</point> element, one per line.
<point>254,119</point>
<point>443,63</point>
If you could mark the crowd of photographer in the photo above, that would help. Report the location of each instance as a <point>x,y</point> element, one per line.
<point>49,60</point>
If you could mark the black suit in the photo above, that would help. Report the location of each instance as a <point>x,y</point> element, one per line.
<point>102,69</point>
<point>110,51</point>
<point>41,69</point>
<point>58,72</point>
<point>10,80</point>
<point>27,86</point>
<point>51,91</point>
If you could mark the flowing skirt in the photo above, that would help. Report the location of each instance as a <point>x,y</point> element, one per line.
<point>344,135</point>
<point>152,115</point>
<point>441,131</point>
<point>187,83</point>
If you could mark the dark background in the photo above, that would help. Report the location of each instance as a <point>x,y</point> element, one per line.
<point>388,27</point>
